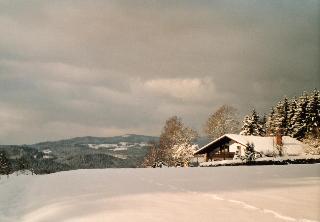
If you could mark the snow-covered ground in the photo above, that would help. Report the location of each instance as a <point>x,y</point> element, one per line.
<point>244,193</point>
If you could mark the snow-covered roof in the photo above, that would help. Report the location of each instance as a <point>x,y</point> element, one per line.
<point>261,144</point>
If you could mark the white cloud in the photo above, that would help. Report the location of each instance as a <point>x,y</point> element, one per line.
<point>192,89</point>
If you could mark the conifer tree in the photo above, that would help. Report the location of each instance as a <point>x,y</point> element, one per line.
<point>270,123</point>
<point>299,125</point>
<point>5,166</point>
<point>252,125</point>
<point>313,112</point>
<point>247,127</point>
<point>249,152</point>
<point>281,122</point>
<point>299,118</point>
<point>263,123</point>
<point>291,112</point>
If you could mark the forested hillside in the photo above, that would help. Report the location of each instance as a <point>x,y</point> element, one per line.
<point>76,153</point>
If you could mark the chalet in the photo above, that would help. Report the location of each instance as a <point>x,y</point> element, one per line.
<point>225,147</point>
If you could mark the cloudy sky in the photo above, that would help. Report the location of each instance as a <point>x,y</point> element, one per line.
<point>104,68</point>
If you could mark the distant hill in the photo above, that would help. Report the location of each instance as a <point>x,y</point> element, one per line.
<point>130,138</point>
<point>126,151</point>
<point>81,152</point>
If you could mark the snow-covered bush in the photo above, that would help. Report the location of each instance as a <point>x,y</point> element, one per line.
<point>313,145</point>
<point>160,164</point>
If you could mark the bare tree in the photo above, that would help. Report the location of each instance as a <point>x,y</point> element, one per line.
<point>174,134</point>
<point>154,155</point>
<point>224,120</point>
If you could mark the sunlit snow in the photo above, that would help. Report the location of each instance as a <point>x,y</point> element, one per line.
<point>245,193</point>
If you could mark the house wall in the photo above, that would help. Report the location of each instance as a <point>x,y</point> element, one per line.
<point>222,154</point>
<point>198,159</point>
<point>233,147</point>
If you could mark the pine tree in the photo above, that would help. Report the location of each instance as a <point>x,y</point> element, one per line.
<point>249,152</point>
<point>23,164</point>
<point>299,118</point>
<point>299,127</point>
<point>270,123</point>
<point>313,112</point>
<point>281,122</point>
<point>258,127</point>
<point>252,125</point>
<point>263,123</point>
<point>247,127</point>
<point>5,166</point>
<point>291,112</point>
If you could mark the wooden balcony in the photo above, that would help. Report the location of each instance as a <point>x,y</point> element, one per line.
<point>221,156</point>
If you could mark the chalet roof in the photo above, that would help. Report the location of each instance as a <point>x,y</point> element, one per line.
<point>261,144</point>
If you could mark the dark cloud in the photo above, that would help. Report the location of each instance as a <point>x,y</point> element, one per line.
<point>109,67</point>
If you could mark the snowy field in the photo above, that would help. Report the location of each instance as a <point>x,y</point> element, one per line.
<point>244,193</point>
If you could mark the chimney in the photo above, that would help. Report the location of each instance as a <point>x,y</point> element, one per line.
<point>279,137</point>
<point>279,140</point>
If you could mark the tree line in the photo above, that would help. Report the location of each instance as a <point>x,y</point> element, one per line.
<point>31,160</point>
<point>298,117</point>
<point>295,117</point>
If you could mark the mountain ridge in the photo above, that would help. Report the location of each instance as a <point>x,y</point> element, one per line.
<point>99,140</point>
